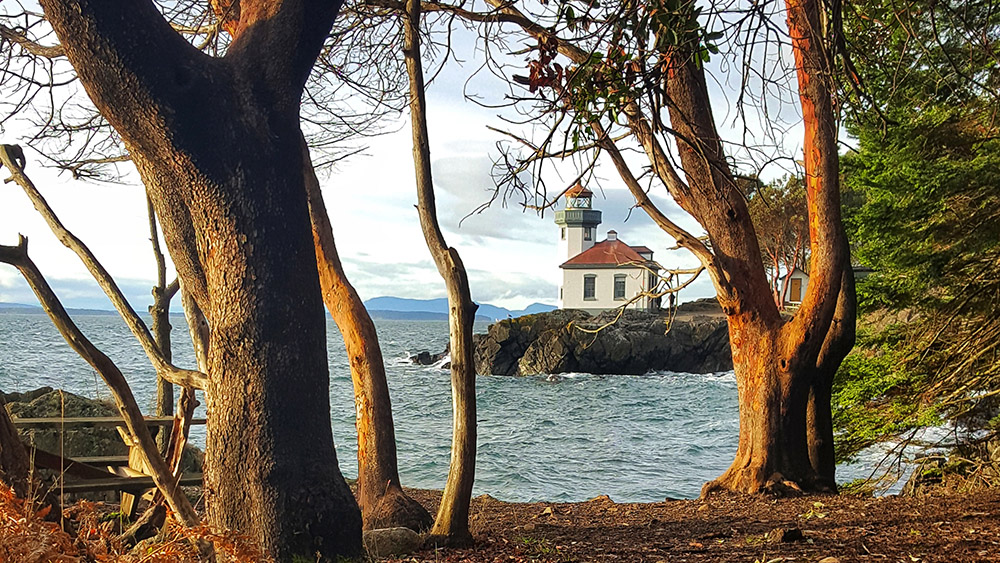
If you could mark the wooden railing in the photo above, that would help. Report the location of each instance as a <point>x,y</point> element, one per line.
<point>126,474</point>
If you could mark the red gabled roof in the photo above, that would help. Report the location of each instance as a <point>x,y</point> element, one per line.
<point>606,253</point>
<point>578,191</point>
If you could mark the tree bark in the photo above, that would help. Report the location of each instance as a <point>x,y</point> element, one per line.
<point>383,502</point>
<point>14,465</point>
<point>217,144</point>
<point>451,526</point>
<point>795,413</point>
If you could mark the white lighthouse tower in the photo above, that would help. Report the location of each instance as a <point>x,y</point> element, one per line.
<point>577,223</point>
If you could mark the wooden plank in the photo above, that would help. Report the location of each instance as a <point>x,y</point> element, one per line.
<point>72,467</point>
<point>72,423</point>
<point>132,484</point>
<point>100,460</point>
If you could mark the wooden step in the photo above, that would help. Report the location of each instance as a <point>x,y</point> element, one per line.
<point>103,460</point>
<point>133,485</point>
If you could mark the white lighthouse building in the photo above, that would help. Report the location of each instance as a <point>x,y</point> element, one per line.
<point>601,275</point>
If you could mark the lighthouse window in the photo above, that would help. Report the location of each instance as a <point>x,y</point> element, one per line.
<point>563,233</point>
<point>588,233</point>
<point>619,286</point>
<point>589,282</point>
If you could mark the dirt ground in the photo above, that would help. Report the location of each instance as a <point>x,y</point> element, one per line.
<point>950,527</point>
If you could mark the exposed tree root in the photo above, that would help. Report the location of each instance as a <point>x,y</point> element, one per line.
<point>395,509</point>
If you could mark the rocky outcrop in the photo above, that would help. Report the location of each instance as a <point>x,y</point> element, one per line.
<point>49,403</point>
<point>573,341</point>
<point>100,441</point>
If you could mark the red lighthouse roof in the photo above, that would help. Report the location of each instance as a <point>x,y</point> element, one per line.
<point>578,191</point>
<point>607,253</point>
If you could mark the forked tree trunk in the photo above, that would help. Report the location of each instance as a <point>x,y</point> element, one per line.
<point>784,369</point>
<point>380,495</point>
<point>217,144</point>
<point>786,433</point>
<point>383,502</point>
<point>159,313</point>
<point>451,526</point>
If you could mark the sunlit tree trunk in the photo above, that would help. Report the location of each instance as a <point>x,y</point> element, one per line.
<point>451,526</point>
<point>785,370</point>
<point>383,502</point>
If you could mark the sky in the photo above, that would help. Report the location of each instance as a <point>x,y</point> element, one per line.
<point>510,252</point>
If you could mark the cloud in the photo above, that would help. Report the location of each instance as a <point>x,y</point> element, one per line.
<point>464,185</point>
<point>511,291</point>
<point>75,293</point>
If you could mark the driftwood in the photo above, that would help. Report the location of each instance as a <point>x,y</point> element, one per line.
<point>164,368</point>
<point>17,256</point>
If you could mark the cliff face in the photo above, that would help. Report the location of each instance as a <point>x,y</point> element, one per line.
<point>573,341</point>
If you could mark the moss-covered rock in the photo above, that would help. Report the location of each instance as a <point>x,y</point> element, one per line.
<point>72,442</point>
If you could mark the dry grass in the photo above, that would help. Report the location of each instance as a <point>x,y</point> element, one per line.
<point>27,535</point>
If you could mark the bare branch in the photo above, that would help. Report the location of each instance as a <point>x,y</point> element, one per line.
<point>163,368</point>
<point>32,47</point>
<point>17,256</point>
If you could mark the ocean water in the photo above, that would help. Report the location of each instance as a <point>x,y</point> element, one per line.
<point>558,438</point>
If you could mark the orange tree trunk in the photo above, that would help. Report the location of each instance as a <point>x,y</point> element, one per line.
<point>218,145</point>
<point>784,369</point>
<point>383,502</point>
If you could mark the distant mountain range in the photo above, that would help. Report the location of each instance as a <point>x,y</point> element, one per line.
<point>22,309</point>
<point>395,308</point>
<point>437,309</point>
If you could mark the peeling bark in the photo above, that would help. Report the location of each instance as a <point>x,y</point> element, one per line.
<point>383,502</point>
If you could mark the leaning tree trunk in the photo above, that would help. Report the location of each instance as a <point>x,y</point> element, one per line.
<point>451,526</point>
<point>13,457</point>
<point>217,144</point>
<point>383,502</point>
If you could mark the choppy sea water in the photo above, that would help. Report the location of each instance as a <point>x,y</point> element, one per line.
<point>557,438</point>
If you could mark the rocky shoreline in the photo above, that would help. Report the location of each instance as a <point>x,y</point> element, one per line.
<point>695,340</point>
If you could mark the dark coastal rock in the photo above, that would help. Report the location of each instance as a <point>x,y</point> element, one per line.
<point>425,358</point>
<point>573,341</point>
<point>84,442</point>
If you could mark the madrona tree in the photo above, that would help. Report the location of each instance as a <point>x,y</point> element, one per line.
<point>70,135</point>
<point>218,145</point>
<point>612,77</point>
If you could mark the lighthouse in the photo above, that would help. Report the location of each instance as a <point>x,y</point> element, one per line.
<point>601,275</point>
<point>577,222</point>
